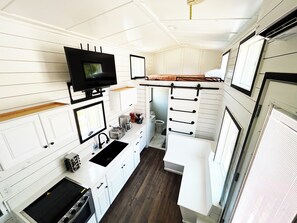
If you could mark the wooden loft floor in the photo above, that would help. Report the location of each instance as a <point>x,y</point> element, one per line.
<point>150,195</point>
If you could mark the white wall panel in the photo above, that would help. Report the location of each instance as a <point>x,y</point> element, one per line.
<point>186,61</point>
<point>33,71</point>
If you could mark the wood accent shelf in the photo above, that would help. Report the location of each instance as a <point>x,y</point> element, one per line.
<point>28,111</point>
<point>122,88</point>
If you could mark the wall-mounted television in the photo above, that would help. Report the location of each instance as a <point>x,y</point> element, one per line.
<point>90,70</point>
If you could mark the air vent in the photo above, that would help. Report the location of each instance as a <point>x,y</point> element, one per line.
<point>287,25</point>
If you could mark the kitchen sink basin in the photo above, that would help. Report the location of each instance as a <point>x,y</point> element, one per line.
<point>109,153</point>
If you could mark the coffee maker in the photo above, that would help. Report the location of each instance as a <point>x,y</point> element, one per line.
<point>125,122</point>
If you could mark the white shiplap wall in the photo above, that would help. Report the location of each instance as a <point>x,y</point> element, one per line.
<point>33,70</point>
<point>186,60</point>
<point>278,56</point>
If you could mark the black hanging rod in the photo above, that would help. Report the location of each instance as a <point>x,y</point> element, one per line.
<point>184,99</point>
<point>190,123</point>
<point>172,109</point>
<point>172,86</point>
<point>186,133</point>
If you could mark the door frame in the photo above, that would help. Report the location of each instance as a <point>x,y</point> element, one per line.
<point>288,78</point>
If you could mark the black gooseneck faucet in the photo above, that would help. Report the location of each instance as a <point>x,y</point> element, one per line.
<point>101,143</point>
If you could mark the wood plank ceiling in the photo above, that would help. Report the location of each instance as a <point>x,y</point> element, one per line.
<point>144,25</point>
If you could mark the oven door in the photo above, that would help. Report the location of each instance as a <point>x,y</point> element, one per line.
<point>82,211</point>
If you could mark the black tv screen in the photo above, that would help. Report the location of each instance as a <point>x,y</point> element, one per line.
<point>90,70</point>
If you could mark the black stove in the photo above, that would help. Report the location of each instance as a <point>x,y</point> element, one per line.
<point>61,203</point>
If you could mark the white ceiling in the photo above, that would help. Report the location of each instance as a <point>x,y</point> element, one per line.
<point>144,25</point>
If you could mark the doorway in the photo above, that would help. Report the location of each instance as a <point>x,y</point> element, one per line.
<point>278,90</point>
<point>158,109</point>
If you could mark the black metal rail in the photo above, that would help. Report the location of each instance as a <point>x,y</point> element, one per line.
<point>186,133</point>
<point>190,123</point>
<point>177,110</point>
<point>172,86</point>
<point>184,99</point>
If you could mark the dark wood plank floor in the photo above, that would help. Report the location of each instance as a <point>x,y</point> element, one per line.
<point>150,195</point>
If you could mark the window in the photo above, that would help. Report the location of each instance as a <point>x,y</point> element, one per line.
<point>227,142</point>
<point>247,61</point>
<point>90,120</point>
<point>137,66</point>
<point>224,64</point>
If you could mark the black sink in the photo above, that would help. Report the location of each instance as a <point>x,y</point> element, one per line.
<point>109,153</point>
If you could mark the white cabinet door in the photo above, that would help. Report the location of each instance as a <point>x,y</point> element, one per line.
<point>21,139</point>
<point>59,126</point>
<point>101,198</point>
<point>136,152</point>
<point>142,138</point>
<point>115,180</point>
<point>128,166</point>
<point>128,98</point>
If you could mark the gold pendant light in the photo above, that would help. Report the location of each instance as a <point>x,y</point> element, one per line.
<point>191,3</point>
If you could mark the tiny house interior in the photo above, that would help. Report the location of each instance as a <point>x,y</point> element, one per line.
<point>148,111</point>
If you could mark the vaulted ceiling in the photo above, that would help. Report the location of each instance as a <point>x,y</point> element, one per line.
<point>144,25</point>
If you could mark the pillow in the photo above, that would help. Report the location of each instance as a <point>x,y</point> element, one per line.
<point>214,73</point>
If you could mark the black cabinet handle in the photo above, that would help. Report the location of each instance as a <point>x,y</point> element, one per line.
<point>52,143</point>
<point>99,186</point>
<point>45,146</point>
<point>140,132</point>
<point>137,143</point>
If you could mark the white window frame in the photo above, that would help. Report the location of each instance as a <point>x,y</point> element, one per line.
<point>227,142</point>
<point>247,62</point>
<point>224,64</point>
<point>137,66</point>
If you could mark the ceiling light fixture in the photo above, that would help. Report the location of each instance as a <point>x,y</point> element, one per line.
<point>191,3</point>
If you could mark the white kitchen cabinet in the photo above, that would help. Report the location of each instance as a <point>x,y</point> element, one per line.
<point>118,175</point>
<point>142,138</point>
<point>128,166</point>
<point>58,125</point>
<point>24,137</point>
<point>123,98</point>
<point>115,180</point>
<point>101,198</point>
<point>21,139</point>
<point>136,151</point>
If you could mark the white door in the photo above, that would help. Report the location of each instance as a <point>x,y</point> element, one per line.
<point>269,194</point>
<point>115,180</point>
<point>59,126</point>
<point>142,138</point>
<point>101,199</point>
<point>129,166</point>
<point>21,139</point>
<point>128,98</point>
<point>136,152</point>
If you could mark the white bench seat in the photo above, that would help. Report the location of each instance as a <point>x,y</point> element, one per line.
<point>190,157</point>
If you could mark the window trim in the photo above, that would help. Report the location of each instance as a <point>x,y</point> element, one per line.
<point>225,71</point>
<point>234,150</point>
<point>245,91</point>
<point>133,77</point>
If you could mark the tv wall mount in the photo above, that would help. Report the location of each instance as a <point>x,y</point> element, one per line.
<point>89,93</point>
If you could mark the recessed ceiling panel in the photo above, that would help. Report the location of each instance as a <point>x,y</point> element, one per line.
<point>205,26</point>
<point>116,21</point>
<point>142,32</point>
<point>64,14</point>
<point>151,44</point>
<point>208,9</point>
